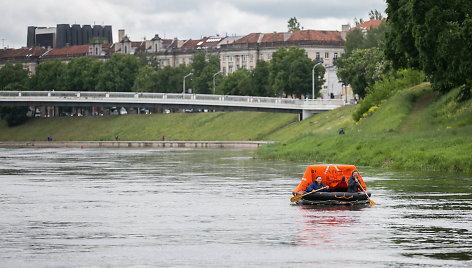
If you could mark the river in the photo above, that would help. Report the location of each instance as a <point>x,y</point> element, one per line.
<point>178,207</point>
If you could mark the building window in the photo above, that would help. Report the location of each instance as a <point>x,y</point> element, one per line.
<point>317,56</point>
<point>335,55</point>
<point>231,59</point>
<point>244,58</point>
<point>326,55</point>
<point>251,58</point>
<point>230,69</point>
<point>223,58</point>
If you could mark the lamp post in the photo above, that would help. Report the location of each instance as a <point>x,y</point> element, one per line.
<point>183,91</point>
<point>313,81</point>
<point>214,81</point>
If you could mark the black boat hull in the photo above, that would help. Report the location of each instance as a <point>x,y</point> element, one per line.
<point>335,198</point>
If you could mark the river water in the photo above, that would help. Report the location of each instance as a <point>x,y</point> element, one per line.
<point>169,207</point>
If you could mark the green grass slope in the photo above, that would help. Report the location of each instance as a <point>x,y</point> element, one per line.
<point>180,126</point>
<point>414,129</point>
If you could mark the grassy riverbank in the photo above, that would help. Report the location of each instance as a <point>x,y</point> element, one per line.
<point>234,126</point>
<point>415,129</point>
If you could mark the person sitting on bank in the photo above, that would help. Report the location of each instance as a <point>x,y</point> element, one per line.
<point>341,131</point>
<point>317,185</point>
<point>353,182</point>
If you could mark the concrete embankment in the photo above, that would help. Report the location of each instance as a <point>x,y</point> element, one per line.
<point>131,144</point>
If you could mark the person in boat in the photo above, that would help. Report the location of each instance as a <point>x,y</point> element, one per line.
<point>317,185</point>
<point>353,182</point>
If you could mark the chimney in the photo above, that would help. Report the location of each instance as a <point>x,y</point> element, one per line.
<point>344,29</point>
<point>121,34</point>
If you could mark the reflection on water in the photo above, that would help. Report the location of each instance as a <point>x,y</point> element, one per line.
<point>212,208</point>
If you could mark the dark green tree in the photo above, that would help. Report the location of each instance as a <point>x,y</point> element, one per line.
<point>293,24</point>
<point>260,79</point>
<point>237,83</point>
<point>434,36</point>
<point>362,68</point>
<point>13,77</point>
<point>291,73</point>
<point>14,115</point>
<point>204,66</point>
<point>49,76</point>
<point>118,73</point>
<point>81,74</point>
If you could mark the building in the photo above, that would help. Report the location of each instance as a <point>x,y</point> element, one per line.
<point>234,52</point>
<point>65,35</point>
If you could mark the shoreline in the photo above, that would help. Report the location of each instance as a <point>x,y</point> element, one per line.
<point>137,144</point>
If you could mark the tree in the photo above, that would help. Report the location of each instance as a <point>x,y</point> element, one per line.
<point>118,73</point>
<point>14,115</point>
<point>13,77</point>
<point>291,73</point>
<point>376,15</point>
<point>434,36</point>
<point>293,24</point>
<point>49,76</point>
<point>204,67</point>
<point>82,74</point>
<point>362,68</point>
<point>237,83</point>
<point>260,79</point>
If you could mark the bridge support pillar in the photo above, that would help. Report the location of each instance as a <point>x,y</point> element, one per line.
<point>305,114</point>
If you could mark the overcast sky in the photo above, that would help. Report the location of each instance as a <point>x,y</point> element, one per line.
<point>184,19</point>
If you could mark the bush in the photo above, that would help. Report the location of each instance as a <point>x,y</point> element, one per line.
<point>14,115</point>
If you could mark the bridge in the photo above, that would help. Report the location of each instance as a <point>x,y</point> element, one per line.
<point>304,108</point>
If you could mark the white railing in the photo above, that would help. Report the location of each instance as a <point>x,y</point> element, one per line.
<point>201,99</point>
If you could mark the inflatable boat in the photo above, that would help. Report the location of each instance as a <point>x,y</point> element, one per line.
<point>335,198</point>
<point>336,177</point>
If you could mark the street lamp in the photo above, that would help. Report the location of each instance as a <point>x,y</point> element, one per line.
<point>214,81</point>
<point>183,91</point>
<point>313,81</point>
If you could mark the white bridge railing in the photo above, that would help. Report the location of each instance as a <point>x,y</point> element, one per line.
<point>133,97</point>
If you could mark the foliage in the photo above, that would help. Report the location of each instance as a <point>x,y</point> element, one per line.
<point>434,36</point>
<point>260,79</point>
<point>13,77</point>
<point>374,37</point>
<point>49,76</point>
<point>293,24</point>
<point>362,68</point>
<point>14,115</point>
<point>82,74</point>
<point>237,83</point>
<point>118,73</point>
<point>363,62</point>
<point>147,60</point>
<point>291,73</point>
<point>204,66</point>
<point>386,87</point>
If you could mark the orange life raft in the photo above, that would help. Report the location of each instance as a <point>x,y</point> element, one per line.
<point>331,175</point>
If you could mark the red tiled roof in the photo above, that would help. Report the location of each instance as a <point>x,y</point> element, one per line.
<point>315,35</point>
<point>190,43</point>
<point>272,37</point>
<point>22,52</point>
<point>81,50</point>
<point>370,24</point>
<point>250,38</point>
